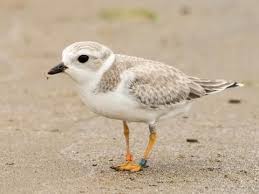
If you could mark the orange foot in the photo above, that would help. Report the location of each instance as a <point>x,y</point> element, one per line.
<point>128,166</point>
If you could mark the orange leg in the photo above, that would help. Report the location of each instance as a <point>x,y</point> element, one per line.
<point>129,156</point>
<point>129,165</point>
<point>151,143</point>
<point>143,162</point>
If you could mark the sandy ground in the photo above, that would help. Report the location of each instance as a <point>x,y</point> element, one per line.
<point>50,143</point>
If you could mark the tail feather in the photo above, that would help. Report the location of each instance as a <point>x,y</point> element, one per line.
<point>214,86</point>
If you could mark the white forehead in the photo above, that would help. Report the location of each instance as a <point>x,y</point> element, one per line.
<point>87,48</point>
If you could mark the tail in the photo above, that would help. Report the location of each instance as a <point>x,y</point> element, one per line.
<point>214,86</point>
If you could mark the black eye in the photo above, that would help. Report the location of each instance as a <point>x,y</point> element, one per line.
<point>83,58</point>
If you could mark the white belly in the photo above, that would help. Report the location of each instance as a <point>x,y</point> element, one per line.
<point>117,106</point>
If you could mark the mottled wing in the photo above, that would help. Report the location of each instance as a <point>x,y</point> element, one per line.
<point>153,84</point>
<point>156,85</point>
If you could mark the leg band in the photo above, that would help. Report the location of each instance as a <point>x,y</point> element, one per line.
<point>143,163</point>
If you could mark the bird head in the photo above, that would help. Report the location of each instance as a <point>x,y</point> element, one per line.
<point>83,60</point>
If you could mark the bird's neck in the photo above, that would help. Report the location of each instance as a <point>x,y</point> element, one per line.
<point>92,84</point>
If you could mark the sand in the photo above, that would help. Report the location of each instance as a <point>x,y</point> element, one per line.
<point>51,143</point>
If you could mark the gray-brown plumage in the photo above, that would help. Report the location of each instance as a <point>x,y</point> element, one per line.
<point>157,85</point>
<point>132,89</point>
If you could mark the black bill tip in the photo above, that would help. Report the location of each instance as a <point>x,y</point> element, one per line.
<point>57,69</point>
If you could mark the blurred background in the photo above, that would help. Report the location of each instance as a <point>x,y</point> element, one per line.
<point>50,142</point>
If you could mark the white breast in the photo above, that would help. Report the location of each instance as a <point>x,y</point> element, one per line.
<point>116,105</point>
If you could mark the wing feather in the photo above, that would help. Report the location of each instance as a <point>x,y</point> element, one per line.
<point>151,83</point>
<point>156,85</point>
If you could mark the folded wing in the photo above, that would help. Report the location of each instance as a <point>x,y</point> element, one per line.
<point>156,85</point>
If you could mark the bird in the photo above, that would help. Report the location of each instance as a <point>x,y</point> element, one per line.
<point>132,89</point>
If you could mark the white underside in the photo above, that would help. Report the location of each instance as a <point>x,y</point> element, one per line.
<point>118,104</point>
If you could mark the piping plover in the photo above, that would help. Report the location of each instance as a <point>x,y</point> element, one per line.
<point>132,89</point>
